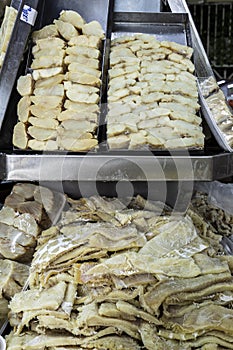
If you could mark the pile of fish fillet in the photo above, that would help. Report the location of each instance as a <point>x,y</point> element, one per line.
<point>59,106</point>
<point>22,218</point>
<point>7,25</point>
<point>120,274</point>
<point>152,95</point>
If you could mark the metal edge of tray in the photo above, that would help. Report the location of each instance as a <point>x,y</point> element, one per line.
<point>137,6</point>
<point>105,167</point>
<point>16,4</point>
<point>147,22</point>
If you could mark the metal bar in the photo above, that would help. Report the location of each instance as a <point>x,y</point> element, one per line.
<point>13,57</point>
<point>112,167</point>
<point>215,31</point>
<point>16,4</point>
<point>3,173</point>
<point>208,30</point>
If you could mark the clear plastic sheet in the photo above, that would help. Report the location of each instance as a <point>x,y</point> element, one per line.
<point>218,114</point>
<point>219,194</point>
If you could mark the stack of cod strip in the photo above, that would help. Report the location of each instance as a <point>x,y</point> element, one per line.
<point>24,214</point>
<point>152,95</point>
<point>7,25</point>
<point>59,105</point>
<point>113,275</point>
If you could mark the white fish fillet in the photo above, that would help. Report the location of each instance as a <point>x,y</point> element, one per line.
<point>23,108</point>
<point>46,73</point>
<point>73,18</point>
<point>42,111</point>
<point>77,96</point>
<point>56,90</point>
<point>85,40</point>
<point>48,43</point>
<point>50,101</point>
<point>66,30</point>
<point>84,125</point>
<point>20,138</point>
<point>47,62</point>
<point>81,107</point>
<point>83,50</point>
<point>42,134</point>
<point>44,33</point>
<point>77,67</point>
<point>93,28</point>
<point>50,145</point>
<point>45,123</point>
<point>79,145</point>
<point>67,115</point>
<point>49,82</point>
<point>25,85</point>
<point>89,62</point>
<point>117,142</point>
<point>80,88</point>
<point>83,78</point>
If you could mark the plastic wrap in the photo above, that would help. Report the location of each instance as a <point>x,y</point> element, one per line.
<point>217,112</point>
<point>219,194</point>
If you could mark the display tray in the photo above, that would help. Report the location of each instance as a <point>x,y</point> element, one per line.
<point>93,215</point>
<point>14,54</point>
<point>165,26</point>
<point>47,12</point>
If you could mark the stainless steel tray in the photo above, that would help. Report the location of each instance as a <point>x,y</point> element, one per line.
<point>14,53</point>
<point>164,25</point>
<point>48,10</point>
<point>115,167</point>
<point>208,165</point>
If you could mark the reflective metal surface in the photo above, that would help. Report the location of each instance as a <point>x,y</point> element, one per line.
<point>137,6</point>
<point>45,167</point>
<point>165,26</point>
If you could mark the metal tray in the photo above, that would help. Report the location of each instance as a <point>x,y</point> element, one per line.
<point>166,26</point>
<point>48,10</point>
<point>209,164</point>
<point>15,53</point>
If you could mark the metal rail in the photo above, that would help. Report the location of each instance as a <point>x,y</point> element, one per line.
<point>113,167</point>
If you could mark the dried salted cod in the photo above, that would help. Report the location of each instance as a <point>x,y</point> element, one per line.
<point>49,299</point>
